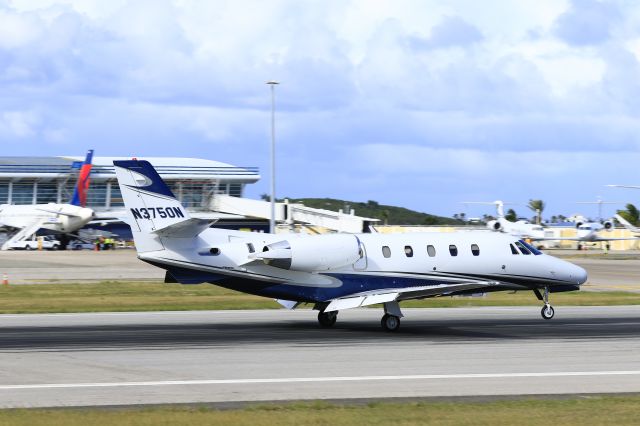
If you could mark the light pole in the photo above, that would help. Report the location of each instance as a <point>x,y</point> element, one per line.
<point>272,219</point>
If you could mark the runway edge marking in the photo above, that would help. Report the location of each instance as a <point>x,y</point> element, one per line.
<point>321,379</point>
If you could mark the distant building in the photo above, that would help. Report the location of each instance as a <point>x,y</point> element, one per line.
<point>39,180</point>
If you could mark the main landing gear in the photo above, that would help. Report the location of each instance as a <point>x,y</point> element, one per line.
<point>327,319</point>
<point>547,311</point>
<point>390,320</point>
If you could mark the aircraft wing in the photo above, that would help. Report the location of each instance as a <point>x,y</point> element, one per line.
<point>585,240</point>
<point>626,224</point>
<point>407,293</point>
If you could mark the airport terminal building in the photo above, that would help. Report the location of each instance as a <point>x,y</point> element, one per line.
<point>39,180</point>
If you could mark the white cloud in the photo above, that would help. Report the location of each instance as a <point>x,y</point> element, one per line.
<point>18,124</point>
<point>468,84</point>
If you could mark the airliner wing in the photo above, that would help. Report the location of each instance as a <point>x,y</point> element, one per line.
<point>56,212</point>
<point>406,293</point>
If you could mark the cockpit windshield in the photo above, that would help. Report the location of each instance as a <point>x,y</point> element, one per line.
<point>531,248</point>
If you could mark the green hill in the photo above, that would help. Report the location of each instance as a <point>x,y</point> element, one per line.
<point>393,215</point>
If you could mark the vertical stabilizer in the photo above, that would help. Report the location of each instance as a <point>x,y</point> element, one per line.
<point>150,204</point>
<point>82,187</point>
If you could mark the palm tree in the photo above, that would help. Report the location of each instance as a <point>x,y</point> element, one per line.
<point>385,215</point>
<point>511,215</point>
<point>631,214</point>
<point>538,207</point>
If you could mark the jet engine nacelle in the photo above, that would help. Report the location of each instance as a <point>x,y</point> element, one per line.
<point>494,225</point>
<point>579,224</point>
<point>314,253</point>
<point>608,225</point>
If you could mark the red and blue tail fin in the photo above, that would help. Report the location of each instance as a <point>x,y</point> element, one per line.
<point>82,187</point>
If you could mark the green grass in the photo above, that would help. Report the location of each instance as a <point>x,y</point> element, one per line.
<point>111,296</point>
<point>584,411</point>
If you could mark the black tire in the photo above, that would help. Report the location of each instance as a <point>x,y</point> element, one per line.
<point>547,312</point>
<point>390,322</point>
<point>55,247</point>
<point>28,247</point>
<point>327,319</point>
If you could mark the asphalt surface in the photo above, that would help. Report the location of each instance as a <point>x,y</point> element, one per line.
<point>220,356</point>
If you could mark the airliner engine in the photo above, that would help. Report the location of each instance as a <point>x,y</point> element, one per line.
<point>608,225</point>
<point>314,253</point>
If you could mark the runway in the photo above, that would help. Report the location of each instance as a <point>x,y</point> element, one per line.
<point>220,356</point>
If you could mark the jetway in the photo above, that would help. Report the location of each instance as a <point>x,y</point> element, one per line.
<point>293,213</point>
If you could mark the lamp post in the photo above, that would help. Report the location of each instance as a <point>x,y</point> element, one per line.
<point>272,219</point>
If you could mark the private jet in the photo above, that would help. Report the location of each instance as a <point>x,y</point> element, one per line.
<point>333,272</point>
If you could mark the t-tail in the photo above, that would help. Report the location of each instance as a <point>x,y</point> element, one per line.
<point>154,213</point>
<point>82,187</point>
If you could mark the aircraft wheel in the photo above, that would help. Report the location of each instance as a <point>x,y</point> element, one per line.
<point>390,322</point>
<point>547,312</point>
<point>327,319</point>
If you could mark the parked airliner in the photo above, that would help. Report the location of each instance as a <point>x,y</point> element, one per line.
<point>332,271</point>
<point>55,217</point>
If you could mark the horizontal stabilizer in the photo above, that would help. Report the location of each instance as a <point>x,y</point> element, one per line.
<point>189,228</point>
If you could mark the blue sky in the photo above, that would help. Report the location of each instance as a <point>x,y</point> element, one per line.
<point>421,104</point>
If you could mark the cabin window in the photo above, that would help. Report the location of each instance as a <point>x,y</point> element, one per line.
<point>453,250</point>
<point>386,251</point>
<point>513,249</point>
<point>431,250</point>
<point>522,248</point>
<point>408,251</point>
<point>531,248</point>
<point>251,248</point>
<point>475,250</point>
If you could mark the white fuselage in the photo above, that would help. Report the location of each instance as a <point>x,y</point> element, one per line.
<point>394,256</point>
<point>52,216</point>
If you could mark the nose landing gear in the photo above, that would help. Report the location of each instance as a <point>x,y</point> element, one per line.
<point>547,311</point>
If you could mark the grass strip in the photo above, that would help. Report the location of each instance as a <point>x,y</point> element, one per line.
<point>117,296</point>
<point>584,411</point>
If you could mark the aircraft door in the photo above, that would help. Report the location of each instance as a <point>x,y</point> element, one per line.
<point>361,264</point>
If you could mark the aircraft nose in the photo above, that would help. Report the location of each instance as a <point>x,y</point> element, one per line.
<point>582,277</point>
<point>578,274</point>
